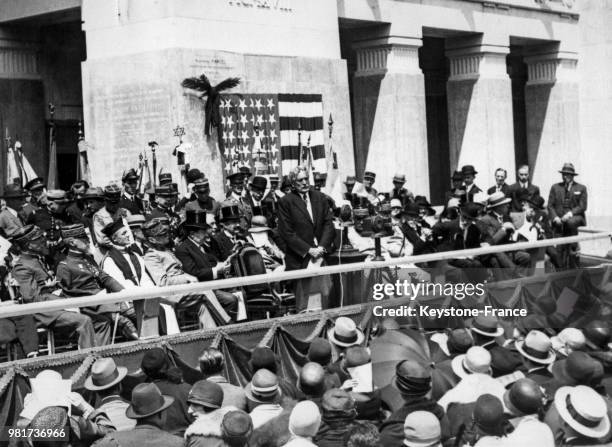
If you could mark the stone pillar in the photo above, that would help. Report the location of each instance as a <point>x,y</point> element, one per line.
<point>480,109</point>
<point>389,112</point>
<point>551,103</point>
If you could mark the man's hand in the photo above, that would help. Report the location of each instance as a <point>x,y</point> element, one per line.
<point>80,404</point>
<point>223,268</point>
<point>349,384</point>
<point>508,226</point>
<point>557,220</point>
<point>315,252</point>
<point>567,216</point>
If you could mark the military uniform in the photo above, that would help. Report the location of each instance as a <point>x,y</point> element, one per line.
<point>132,203</point>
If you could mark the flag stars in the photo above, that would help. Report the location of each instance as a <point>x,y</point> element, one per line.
<point>260,119</point>
<point>243,120</point>
<point>272,118</point>
<point>258,104</point>
<point>270,104</point>
<point>242,105</point>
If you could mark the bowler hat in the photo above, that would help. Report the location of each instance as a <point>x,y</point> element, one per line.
<point>95,192</point>
<point>487,326</point>
<point>568,168</point>
<point>195,220</point>
<point>597,334</point>
<point>230,213</point>
<point>457,176</point>
<point>35,183</point>
<point>320,351</point>
<point>147,400</point>
<point>263,387</point>
<point>193,175</point>
<point>459,341</point>
<point>112,193</point>
<point>422,429</point>
<point>129,174</point>
<point>524,397</point>
<point>259,182</point>
<point>488,414</point>
<point>104,374</point>
<point>412,378</point>
<point>583,410</point>
<point>345,333</point>
<point>422,202</point>
<point>468,170</point>
<point>236,428</point>
<point>206,393</point>
<point>536,347</point>
<point>13,191</point>
<point>113,227</point>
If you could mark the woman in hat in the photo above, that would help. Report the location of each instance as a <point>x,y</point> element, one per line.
<point>259,235</point>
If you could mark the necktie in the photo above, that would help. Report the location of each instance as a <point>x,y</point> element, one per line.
<point>308,205</point>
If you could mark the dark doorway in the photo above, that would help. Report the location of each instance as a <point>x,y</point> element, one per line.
<point>517,70</point>
<point>435,70</point>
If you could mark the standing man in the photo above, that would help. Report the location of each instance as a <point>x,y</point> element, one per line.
<point>108,214</point>
<point>260,205</point>
<point>76,209</point>
<point>202,201</point>
<point>523,189</point>
<point>38,192</point>
<point>129,196</point>
<point>469,175</point>
<point>305,224</point>
<point>500,183</point>
<point>236,197</point>
<point>399,192</point>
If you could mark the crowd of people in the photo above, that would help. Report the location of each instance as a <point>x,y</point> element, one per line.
<point>92,240</point>
<point>504,385</point>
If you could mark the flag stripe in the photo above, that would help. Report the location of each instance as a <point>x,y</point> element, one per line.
<point>290,138</point>
<point>300,109</point>
<point>307,124</point>
<point>294,152</point>
<point>297,97</point>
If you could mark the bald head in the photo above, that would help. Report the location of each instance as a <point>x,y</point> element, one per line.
<point>312,380</point>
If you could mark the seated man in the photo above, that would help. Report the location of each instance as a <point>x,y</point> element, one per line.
<point>259,237</point>
<point>231,235</point>
<point>78,275</point>
<point>166,269</point>
<point>37,283</point>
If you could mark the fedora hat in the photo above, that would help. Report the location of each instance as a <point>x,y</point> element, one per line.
<point>597,334</point>
<point>537,202</point>
<point>206,393</point>
<point>345,333</point>
<point>13,191</point>
<point>259,182</point>
<point>468,170</point>
<point>422,429</point>
<point>496,199</point>
<point>104,374</point>
<point>263,387</point>
<point>477,360</point>
<point>578,368</point>
<point>470,210</point>
<point>399,178</point>
<point>583,410</point>
<point>147,400</point>
<point>459,341</point>
<point>568,168</point>
<point>259,224</point>
<point>536,347</point>
<point>487,326</point>
<point>411,210</point>
<point>195,220</point>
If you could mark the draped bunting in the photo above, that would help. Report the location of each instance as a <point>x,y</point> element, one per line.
<point>290,337</point>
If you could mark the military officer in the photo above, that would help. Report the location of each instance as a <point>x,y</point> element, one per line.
<point>369,178</point>
<point>166,197</point>
<point>203,201</point>
<point>37,190</point>
<point>107,214</point>
<point>235,197</point>
<point>129,196</point>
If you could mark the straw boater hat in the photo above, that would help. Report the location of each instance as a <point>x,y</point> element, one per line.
<point>536,347</point>
<point>105,374</point>
<point>583,410</point>
<point>345,333</point>
<point>497,199</point>
<point>477,360</point>
<point>259,224</point>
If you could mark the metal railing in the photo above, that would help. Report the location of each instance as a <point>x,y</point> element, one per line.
<point>160,292</point>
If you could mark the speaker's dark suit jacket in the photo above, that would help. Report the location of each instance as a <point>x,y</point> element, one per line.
<point>299,230</point>
<point>195,260</point>
<point>517,192</point>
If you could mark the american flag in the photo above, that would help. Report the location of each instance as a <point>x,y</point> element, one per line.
<point>272,133</point>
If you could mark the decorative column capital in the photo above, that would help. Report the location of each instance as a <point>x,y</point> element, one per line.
<point>391,54</point>
<point>473,62</point>
<point>550,68</point>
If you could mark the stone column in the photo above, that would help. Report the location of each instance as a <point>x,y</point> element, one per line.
<point>480,109</point>
<point>389,112</point>
<point>551,103</point>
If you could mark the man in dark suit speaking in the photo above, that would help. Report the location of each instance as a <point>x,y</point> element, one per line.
<point>305,224</point>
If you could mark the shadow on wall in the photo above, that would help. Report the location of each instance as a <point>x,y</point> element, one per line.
<point>366,90</point>
<point>536,97</point>
<point>459,98</point>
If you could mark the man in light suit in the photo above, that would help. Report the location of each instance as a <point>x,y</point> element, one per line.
<point>305,224</point>
<point>14,197</point>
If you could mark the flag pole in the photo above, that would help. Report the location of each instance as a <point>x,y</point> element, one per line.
<point>52,173</point>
